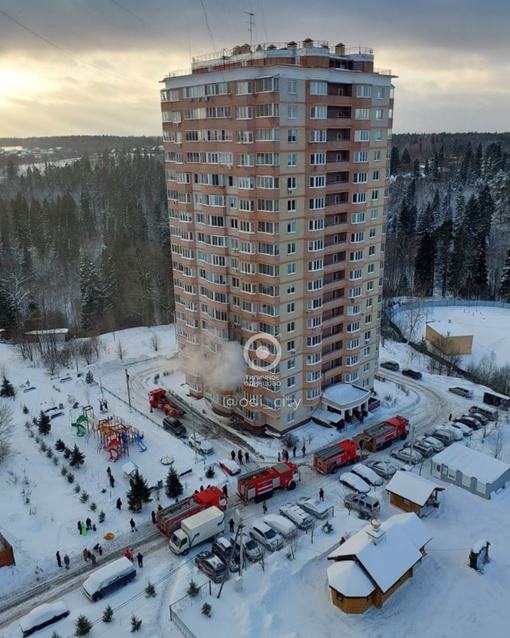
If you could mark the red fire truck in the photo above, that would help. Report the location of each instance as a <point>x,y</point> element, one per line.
<point>169,519</point>
<point>329,459</point>
<point>382,435</point>
<point>159,399</point>
<point>262,483</point>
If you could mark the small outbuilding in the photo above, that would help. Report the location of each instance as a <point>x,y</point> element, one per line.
<point>373,563</point>
<point>6,553</point>
<point>413,493</point>
<point>56,335</point>
<point>449,338</point>
<point>474,471</point>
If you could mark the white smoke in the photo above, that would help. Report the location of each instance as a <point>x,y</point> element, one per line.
<point>225,370</point>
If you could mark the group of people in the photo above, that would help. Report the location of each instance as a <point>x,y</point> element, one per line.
<point>139,557</point>
<point>84,527</point>
<point>240,456</point>
<point>67,562</point>
<point>284,454</point>
<point>110,477</point>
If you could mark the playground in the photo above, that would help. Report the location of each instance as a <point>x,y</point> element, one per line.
<point>114,434</point>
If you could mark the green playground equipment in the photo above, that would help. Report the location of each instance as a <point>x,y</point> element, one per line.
<point>81,425</point>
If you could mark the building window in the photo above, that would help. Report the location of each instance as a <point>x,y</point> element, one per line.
<point>291,227</point>
<point>379,113</point>
<point>292,136</point>
<point>318,88</point>
<point>378,135</point>
<point>362,114</point>
<point>291,289</point>
<point>359,198</point>
<point>291,249</point>
<point>292,112</point>
<point>291,307</point>
<point>318,181</point>
<point>361,136</point>
<point>318,112</point>
<point>292,159</point>
<point>318,159</point>
<point>244,113</point>
<point>363,90</point>
<point>292,87</point>
<point>291,206</point>
<point>318,136</point>
<point>291,269</point>
<point>360,156</point>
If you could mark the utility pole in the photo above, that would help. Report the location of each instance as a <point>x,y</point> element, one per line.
<point>251,24</point>
<point>128,390</point>
<point>239,529</point>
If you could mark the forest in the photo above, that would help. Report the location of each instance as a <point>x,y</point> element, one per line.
<point>84,244</point>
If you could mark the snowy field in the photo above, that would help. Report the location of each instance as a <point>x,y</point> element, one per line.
<point>289,598</point>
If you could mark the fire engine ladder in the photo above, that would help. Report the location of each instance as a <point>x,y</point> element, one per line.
<point>328,452</point>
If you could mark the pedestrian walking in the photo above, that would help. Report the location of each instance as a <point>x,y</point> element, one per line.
<point>240,457</point>
<point>97,548</point>
<point>450,418</point>
<point>153,516</point>
<point>233,455</point>
<point>119,504</point>
<point>303,449</point>
<point>85,555</point>
<point>89,554</point>
<point>88,523</point>
<point>231,525</point>
<point>59,560</point>
<point>112,482</point>
<point>294,451</point>
<point>129,555</point>
<point>225,490</point>
<point>321,494</point>
<point>66,561</point>
<point>79,526</point>
<point>279,457</point>
<point>139,558</point>
<point>285,455</point>
<point>264,507</point>
<point>133,525</point>
<point>247,457</point>
<point>109,471</point>
<point>93,558</point>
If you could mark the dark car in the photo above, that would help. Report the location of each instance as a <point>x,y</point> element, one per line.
<point>225,550</point>
<point>390,365</point>
<point>472,423</point>
<point>211,565</point>
<point>173,425</point>
<point>414,374</point>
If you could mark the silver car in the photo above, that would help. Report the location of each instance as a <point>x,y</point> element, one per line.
<point>297,515</point>
<point>407,455</point>
<point>250,549</point>
<point>266,536</point>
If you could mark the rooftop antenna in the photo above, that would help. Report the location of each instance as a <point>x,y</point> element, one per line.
<point>251,24</point>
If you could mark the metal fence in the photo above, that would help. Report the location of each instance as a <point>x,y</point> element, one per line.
<point>402,306</point>
<point>184,603</point>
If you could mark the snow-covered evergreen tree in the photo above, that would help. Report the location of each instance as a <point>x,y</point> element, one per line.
<point>504,286</point>
<point>44,423</point>
<point>139,494</point>
<point>173,486</point>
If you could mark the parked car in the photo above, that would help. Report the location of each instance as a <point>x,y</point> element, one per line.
<point>43,616</point>
<point>211,565</point>
<point>173,425</point>
<point>489,413</point>
<point>464,430</point>
<point>481,417</point>
<point>470,422</point>
<point>314,507</point>
<point>366,506</point>
<point>251,549</point>
<point>462,392</point>
<point>266,536</point>
<point>230,467</point>
<point>200,444</point>
<point>224,549</point>
<point>414,374</point>
<point>384,467</point>
<point>367,474</point>
<point>390,365</point>
<point>443,434</point>
<point>431,440</point>
<point>407,455</point>
<point>297,515</point>
<point>354,482</point>
<point>458,435</point>
<point>281,525</point>
<point>425,449</point>
<point>474,416</point>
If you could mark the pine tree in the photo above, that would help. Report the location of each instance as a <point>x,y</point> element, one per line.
<point>395,161</point>
<point>7,389</point>
<point>504,285</point>
<point>136,623</point>
<point>107,614</point>
<point>416,168</point>
<point>44,423</point>
<point>479,269</point>
<point>83,626</point>
<point>77,457</point>
<point>424,265</point>
<point>173,486</point>
<point>139,494</point>
<point>406,158</point>
<point>150,590</point>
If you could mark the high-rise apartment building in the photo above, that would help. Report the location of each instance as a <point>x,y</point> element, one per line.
<point>277,171</point>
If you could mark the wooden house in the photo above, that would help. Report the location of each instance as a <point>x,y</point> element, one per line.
<point>413,493</point>
<point>6,553</point>
<point>373,563</point>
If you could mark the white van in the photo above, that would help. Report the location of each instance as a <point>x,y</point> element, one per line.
<point>42,616</point>
<point>281,525</point>
<point>106,579</point>
<point>491,413</point>
<point>462,392</point>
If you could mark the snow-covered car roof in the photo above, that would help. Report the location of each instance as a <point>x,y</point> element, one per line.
<point>355,481</point>
<point>230,466</point>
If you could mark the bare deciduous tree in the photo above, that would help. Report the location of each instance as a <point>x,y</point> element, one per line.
<point>154,341</point>
<point>6,429</point>
<point>120,350</point>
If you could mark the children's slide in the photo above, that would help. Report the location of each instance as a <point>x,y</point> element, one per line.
<point>80,426</point>
<point>142,445</point>
<point>113,448</point>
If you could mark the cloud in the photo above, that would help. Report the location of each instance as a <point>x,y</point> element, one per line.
<point>97,63</point>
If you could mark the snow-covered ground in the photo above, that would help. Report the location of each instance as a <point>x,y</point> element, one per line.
<point>289,598</point>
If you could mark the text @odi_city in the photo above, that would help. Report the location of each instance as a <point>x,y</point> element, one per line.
<point>255,401</point>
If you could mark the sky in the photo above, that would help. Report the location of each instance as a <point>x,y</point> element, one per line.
<point>70,67</point>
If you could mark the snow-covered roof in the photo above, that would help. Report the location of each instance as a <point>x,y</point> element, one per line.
<point>413,528</point>
<point>129,468</point>
<point>345,394</point>
<point>325,416</point>
<point>395,553</point>
<point>411,486</point>
<point>471,463</point>
<point>54,331</point>
<point>478,546</point>
<point>349,579</point>
<point>449,329</point>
